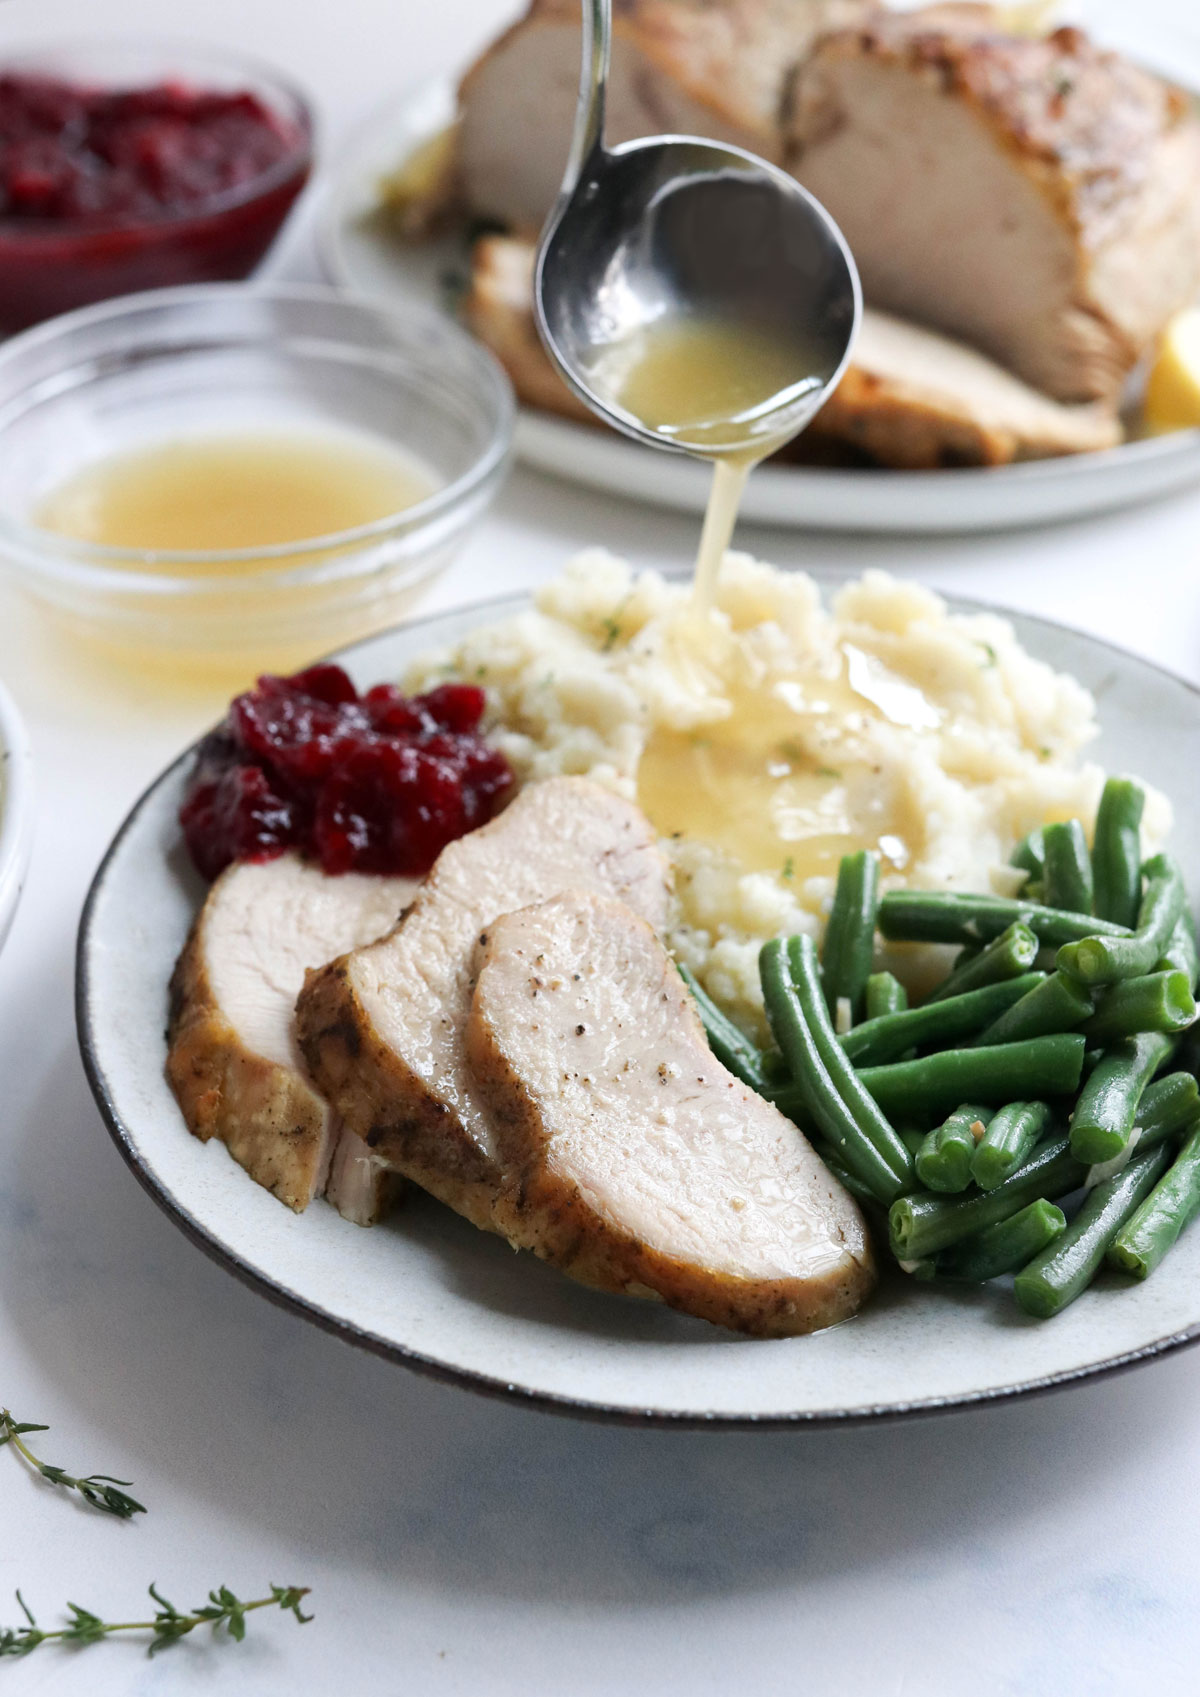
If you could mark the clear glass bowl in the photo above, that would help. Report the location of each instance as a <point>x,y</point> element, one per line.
<point>16,810</point>
<point>51,267</point>
<point>219,357</point>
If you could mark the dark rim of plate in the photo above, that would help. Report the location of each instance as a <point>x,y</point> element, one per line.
<point>482,1383</point>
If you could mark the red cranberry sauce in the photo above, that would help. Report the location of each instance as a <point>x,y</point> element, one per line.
<point>70,153</point>
<point>370,783</point>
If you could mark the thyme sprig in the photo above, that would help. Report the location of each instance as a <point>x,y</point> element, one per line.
<point>101,1490</point>
<point>169,1625</point>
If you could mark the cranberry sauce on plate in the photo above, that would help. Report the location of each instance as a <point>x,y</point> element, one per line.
<point>364,783</point>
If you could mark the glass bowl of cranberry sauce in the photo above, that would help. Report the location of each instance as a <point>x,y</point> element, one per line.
<point>139,166</point>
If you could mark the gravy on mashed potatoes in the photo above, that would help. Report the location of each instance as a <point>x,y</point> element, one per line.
<point>771,737</point>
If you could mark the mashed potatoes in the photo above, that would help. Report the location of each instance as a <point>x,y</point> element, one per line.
<point>770,739</point>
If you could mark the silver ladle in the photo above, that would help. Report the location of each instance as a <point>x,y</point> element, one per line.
<point>672,228</point>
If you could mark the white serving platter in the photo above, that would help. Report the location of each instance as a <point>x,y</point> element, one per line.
<point>429,1291</point>
<point>359,255</point>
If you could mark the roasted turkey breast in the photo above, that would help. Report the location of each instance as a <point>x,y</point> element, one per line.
<point>1036,196</point>
<point>690,67</point>
<point>382,1029</point>
<point>232,1058</point>
<point>909,398</point>
<point>915,400</point>
<point>632,1159</point>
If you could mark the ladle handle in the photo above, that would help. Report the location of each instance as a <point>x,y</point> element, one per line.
<point>593,85</point>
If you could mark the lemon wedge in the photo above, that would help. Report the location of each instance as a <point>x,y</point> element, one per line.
<point>1028,17</point>
<point>1173,387</point>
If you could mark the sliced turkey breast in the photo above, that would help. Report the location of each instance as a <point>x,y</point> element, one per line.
<point>909,398</point>
<point>382,1028</point>
<point>633,1159</point>
<point>915,400</point>
<point>1034,196</point>
<point>678,66</point>
<point>233,1060</point>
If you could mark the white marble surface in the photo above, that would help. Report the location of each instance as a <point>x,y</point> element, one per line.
<point>454,1544</point>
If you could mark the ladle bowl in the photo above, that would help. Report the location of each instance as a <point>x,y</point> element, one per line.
<point>668,230</point>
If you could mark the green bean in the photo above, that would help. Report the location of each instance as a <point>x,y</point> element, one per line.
<point>944,1159</point>
<point>1058,1003</point>
<point>1104,958</point>
<point>1004,1247</point>
<point>796,1012</point>
<point>1117,852</point>
<point>1030,854</point>
<point>1007,956</point>
<point>805,973</point>
<point>775,1067</point>
<point>1181,954</point>
<point>850,933</point>
<point>1068,878</point>
<point>1171,1103</point>
<point>1146,1237</point>
<point>1062,1272</point>
<point>886,1039</point>
<point>922,1225</point>
<point>1013,1131</point>
<point>885,995</point>
<point>730,1045</point>
<point>1106,1111</point>
<point>1162,1001</point>
<point>936,916</point>
<point>921,1090</point>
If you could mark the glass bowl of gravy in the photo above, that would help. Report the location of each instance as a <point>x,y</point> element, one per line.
<point>225,479</point>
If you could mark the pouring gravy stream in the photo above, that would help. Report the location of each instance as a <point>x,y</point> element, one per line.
<point>728,393</point>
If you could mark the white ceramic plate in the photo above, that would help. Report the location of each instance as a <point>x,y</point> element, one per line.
<point>358,255</point>
<point>16,810</point>
<point>430,1291</point>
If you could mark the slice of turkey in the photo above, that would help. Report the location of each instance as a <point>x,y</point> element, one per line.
<point>382,1028</point>
<point>910,398</point>
<point>233,1061</point>
<point>915,400</point>
<point>633,1159</point>
<point>687,67</point>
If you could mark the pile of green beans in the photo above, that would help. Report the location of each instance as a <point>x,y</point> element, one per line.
<point>1023,1117</point>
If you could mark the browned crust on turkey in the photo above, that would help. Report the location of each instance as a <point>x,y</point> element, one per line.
<point>271,1121</point>
<point>383,1101</point>
<point>1082,120</point>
